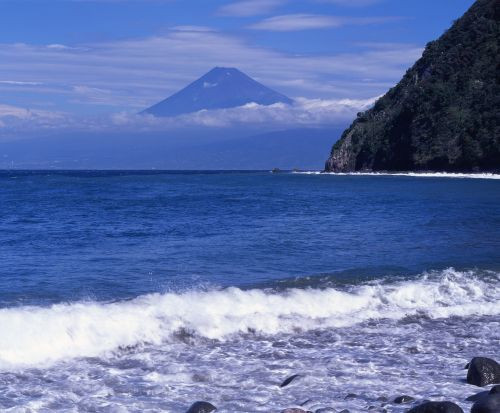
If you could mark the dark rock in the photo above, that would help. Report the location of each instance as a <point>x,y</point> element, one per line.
<point>466,366</point>
<point>495,389</point>
<point>477,396</point>
<point>417,125</point>
<point>201,378</point>
<point>413,350</point>
<point>483,371</point>
<point>345,411</point>
<point>403,399</point>
<point>382,399</point>
<point>201,407</point>
<point>289,380</point>
<point>436,407</point>
<point>350,396</point>
<point>488,404</point>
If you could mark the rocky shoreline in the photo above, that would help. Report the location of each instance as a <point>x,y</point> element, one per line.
<point>481,372</point>
<point>439,116</point>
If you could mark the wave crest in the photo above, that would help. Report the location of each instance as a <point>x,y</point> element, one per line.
<point>36,335</point>
<point>472,175</point>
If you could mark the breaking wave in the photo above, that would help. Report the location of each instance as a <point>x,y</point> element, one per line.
<point>409,174</point>
<point>42,335</point>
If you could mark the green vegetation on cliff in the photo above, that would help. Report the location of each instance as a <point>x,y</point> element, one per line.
<point>443,115</point>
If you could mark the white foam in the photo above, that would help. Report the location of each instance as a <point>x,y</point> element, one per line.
<point>408,174</point>
<point>35,335</point>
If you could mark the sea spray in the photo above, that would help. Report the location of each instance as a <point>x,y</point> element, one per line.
<point>477,175</point>
<point>43,335</point>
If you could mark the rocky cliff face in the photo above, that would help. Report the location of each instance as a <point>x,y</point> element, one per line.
<point>443,115</point>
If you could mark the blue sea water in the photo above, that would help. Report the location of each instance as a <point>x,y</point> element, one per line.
<point>129,291</point>
<point>66,236</point>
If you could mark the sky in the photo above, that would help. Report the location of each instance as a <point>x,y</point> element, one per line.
<point>91,59</point>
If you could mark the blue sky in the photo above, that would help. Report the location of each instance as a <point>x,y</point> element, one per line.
<point>97,57</point>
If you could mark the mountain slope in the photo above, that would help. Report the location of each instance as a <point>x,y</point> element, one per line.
<point>218,89</point>
<point>443,114</point>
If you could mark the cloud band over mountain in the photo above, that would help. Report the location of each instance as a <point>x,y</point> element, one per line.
<point>304,112</point>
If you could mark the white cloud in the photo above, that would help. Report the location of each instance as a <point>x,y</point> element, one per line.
<point>15,112</point>
<point>292,22</point>
<point>192,29</point>
<point>94,95</point>
<point>246,8</point>
<point>351,3</point>
<point>118,1</point>
<point>304,112</point>
<point>295,22</point>
<point>136,73</point>
<point>19,83</point>
<point>19,121</point>
<point>57,46</point>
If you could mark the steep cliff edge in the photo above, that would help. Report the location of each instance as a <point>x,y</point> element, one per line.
<point>443,115</point>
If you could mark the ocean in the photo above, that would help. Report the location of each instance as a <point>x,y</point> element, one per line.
<point>144,291</point>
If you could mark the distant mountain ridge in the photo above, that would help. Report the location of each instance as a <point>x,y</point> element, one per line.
<point>220,88</point>
<point>443,115</point>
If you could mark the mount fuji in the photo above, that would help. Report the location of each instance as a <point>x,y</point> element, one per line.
<point>220,88</point>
